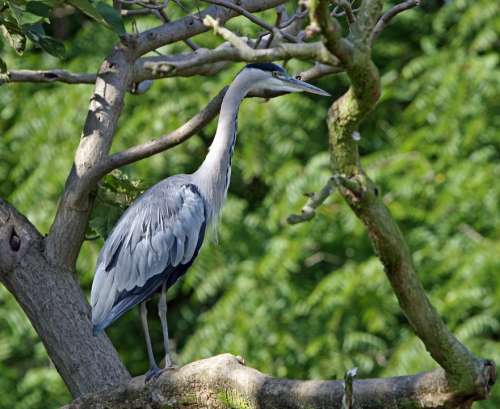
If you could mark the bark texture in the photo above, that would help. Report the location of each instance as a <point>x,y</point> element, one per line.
<point>55,305</point>
<point>223,382</point>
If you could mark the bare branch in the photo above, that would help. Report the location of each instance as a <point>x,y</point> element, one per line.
<point>146,4</point>
<point>315,200</point>
<point>223,381</point>
<point>197,63</point>
<point>48,76</point>
<point>135,12</point>
<point>389,15</point>
<point>192,25</point>
<point>253,18</point>
<point>346,6</point>
<point>163,17</point>
<point>191,127</point>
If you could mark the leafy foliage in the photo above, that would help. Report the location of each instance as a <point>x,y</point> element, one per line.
<point>306,301</point>
<point>21,20</point>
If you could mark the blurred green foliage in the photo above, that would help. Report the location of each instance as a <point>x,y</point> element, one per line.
<point>305,301</point>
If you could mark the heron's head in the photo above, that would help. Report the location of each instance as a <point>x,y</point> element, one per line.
<point>273,77</point>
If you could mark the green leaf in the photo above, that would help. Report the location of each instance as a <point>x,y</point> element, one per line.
<point>86,7</point>
<point>16,11</point>
<point>102,13</point>
<point>14,36</point>
<point>104,217</point>
<point>3,66</point>
<point>36,33</point>
<point>52,46</point>
<point>29,18</point>
<point>38,8</point>
<point>112,17</point>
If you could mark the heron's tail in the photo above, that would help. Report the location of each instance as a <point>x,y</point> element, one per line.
<point>126,301</point>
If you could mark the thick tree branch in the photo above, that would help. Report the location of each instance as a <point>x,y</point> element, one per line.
<point>224,382</point>
<point>68,230</point>
<point>193,24</point>
<point>330,28</point>
<point>462,368</point>
<point>202,62</point>
<point>54,303</point>
<point>161,66</point>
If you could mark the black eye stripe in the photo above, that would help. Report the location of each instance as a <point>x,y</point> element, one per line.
<point>266,67</point>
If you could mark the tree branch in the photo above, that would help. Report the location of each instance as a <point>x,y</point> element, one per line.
<point>184,132</point>
<point>201,62</point>
<point>68,230</point>
<point>315,200</point>
<point>253,18</point>
<point>462,368</point>
<point>389,15</point>
<point>188,129</point>
<point>53,301</point>
<point>47,76</point>
<point>193,24</point>
<point>321,21</point>
<point>224,382</point>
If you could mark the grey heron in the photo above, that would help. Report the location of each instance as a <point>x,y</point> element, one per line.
<point>158,237</point>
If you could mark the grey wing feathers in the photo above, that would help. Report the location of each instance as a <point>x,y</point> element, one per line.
<point>159,233</point>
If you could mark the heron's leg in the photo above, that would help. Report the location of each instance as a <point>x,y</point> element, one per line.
<point>153,367</point>
<point>162,312</point>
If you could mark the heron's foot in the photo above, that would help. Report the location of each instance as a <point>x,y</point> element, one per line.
<point>153,374</point>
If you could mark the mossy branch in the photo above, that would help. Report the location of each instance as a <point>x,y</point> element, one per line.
<point>465,372</point>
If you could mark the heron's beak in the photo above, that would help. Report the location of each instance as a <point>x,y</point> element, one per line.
<point>299,85</point>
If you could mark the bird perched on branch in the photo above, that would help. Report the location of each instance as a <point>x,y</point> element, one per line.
<point>159,236</point>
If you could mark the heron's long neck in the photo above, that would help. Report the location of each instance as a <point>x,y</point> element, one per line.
<point>214,174</point>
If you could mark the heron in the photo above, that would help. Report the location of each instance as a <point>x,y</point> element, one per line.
<point>158,237</point>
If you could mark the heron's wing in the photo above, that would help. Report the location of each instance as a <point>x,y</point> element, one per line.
<point>158,236</point>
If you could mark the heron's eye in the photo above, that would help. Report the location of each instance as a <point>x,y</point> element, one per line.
<point>275,74</point>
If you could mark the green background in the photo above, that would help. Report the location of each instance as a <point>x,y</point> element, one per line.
<point>305,301</point>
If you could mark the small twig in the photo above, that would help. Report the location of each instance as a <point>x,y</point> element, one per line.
<point>346,6</point>
<point>348,399</point>
<point>296,16</point>
<point>145,4</point>
<point>228,35</point>
<point>389,15</point>
<point>135,12</point>
<point>252,18</point>
<point>186,10</point>
<point>315,200</point>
